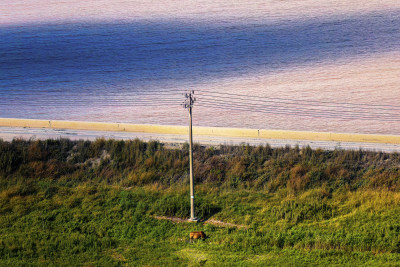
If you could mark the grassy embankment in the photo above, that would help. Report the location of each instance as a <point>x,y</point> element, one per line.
<point>92,203</point>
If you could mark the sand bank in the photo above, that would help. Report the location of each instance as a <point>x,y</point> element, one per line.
<point>201,131</point>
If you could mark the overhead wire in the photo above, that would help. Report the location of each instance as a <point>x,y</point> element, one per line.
<point>301,108</point>
<point>271,112</point>
<point>297,107</point>
<point>300,100</point>
<point>293,113</point>
<point>296,103</point>
<point>237,102</point>
<point>285,111</point>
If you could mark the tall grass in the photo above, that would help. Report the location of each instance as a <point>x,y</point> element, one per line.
<point>133,163</point>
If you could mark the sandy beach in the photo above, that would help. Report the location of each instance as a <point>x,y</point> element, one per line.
<point>173,135</point>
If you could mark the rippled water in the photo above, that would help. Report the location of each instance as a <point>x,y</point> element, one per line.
<point>322,68</point>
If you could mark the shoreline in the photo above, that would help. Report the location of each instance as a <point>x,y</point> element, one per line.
<point>201,131</point>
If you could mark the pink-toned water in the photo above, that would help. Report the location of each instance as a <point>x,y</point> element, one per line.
<point>295,65</point>
<point>32,11</point>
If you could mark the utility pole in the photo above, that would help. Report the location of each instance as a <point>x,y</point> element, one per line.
<point>189,105</point>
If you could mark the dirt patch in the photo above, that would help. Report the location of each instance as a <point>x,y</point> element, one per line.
<point>209,221</point>
<point>225,224</point>
<point>173,219</point>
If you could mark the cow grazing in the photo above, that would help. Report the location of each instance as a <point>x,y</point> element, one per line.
<point>197,235</point>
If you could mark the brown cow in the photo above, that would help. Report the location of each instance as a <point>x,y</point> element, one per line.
<point>197,235</point>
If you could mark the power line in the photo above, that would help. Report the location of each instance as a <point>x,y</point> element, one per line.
<point>237,102</point>
<point>299,114</point>
<point>295,104</point>
<point>303,115</point>
<point>279,99</point>
<point>287,112</point>
<point>297,109</point>
<point>85,103</point>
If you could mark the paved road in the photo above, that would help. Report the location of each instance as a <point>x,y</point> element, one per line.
<point>7,134</point>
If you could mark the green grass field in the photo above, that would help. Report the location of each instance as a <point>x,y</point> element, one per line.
<point>67,203</point>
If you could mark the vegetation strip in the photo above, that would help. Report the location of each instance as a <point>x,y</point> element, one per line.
<point>206,131</point>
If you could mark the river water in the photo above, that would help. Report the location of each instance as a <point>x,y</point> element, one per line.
<point>297,65</point>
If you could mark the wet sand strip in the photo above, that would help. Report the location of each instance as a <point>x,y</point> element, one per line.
<point>201,131</point>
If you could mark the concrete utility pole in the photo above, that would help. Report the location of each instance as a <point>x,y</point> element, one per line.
<point>189,105</point>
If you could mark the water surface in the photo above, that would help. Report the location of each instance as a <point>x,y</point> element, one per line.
<point>323,68</point>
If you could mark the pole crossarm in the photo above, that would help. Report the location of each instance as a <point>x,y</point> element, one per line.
<point>189,101</point>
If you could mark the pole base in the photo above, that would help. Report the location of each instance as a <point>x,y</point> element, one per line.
<point>194,220</point>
